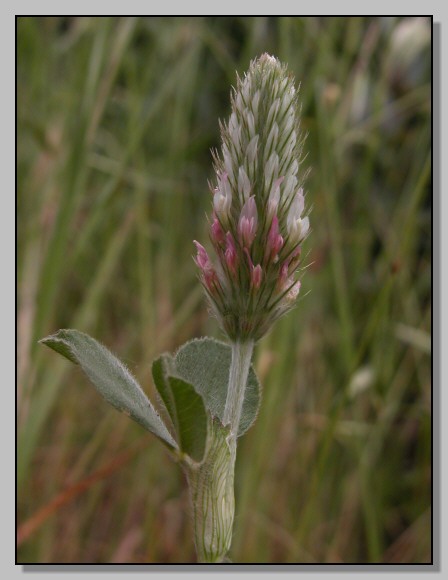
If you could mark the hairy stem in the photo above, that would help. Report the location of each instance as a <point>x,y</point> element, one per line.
<point>239,371</point>
<point>211,481</point>
<point>211,489</point>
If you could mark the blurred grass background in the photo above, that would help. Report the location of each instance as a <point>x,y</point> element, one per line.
<point>116,118</point>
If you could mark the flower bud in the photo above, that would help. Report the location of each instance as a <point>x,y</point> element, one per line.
<point>222,199</point>
<point>256,276</point>
<point>208,273</point>
<point>296,226</point>
<point>216,232</point>
<point>243,184</point>
<point>275,240</point>
<point>230,253</point>
<point>247,225</point>
<point>274,196</point>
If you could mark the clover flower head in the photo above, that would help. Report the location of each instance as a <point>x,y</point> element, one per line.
<point>259,218</point>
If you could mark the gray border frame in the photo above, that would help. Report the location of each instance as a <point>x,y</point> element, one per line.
<point>436,424</point>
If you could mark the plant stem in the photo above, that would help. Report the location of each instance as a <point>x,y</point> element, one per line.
<point>211,481</point>
<point>239,371</point>
<point>211,488</point>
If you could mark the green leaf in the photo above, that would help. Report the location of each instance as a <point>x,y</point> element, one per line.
<point>191,418</point>
<point>205,363</point>
<point>161,369</point>
<point>111,379</point>
<point>184,406</point>
<point>56,342</point>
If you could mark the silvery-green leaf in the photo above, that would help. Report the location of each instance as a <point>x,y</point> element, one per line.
<point>111,379</point>
<point>205,363</point>
<point>161,369</point>
<point>184,406</point>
